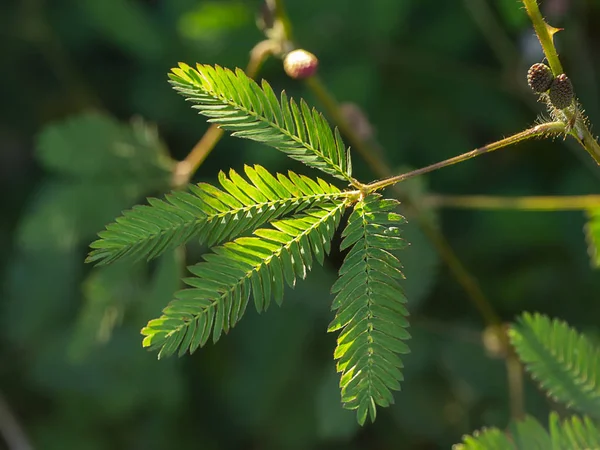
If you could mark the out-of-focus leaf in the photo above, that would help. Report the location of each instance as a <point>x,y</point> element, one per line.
<point>513,17</point>
<point>107,293</point>
<point>119,379</point>
<point>40,289</point>
<point>333,422</point>
<point>96,145</point>
<point>211,19</point>
<point>65,214</point>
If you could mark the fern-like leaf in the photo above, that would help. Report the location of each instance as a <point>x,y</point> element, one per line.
<point>563,361</point>
<point>370,308</point>
<point>208,213</point>
<point>238,104</point>
<point>592,235</point>
<point>573,433</point>
<point>259,265</point>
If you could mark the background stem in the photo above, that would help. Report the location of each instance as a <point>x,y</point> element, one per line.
<point>531,203</point>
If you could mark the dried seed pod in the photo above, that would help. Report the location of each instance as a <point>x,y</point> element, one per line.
<point>539,78</point>
<point>300,64</point>
<point>561,92</point>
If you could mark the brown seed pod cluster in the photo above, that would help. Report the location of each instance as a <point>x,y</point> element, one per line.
<point>539,77</point>
<point>560,89</point>
<point>561,92</point>
<point>300,64</point>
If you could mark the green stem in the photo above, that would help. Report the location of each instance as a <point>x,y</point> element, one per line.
<point>537,203</point>
<point>538,130</point>
<point>544,33</point>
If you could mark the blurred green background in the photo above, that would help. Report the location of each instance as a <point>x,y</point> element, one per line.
<point>435,78</point>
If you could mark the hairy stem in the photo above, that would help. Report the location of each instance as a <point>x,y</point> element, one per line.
<point>544,33</point>
<point>552,128</point>
<point>581,131</point>
<point>530,203</point>
<point>185,169</point>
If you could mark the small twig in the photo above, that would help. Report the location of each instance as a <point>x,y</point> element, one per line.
<point>514,373</point>
<point>551,128</point>
<point>528,203</point>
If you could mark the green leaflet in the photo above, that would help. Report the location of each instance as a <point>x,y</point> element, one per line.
<point>208,213</point>
<point>238,104</point>
<point>221,287</point>
<point>592,234</point>
<point>573,433</point>
<point>563,361</point>
<point>370,306</point>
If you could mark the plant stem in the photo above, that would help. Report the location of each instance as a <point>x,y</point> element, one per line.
<point>544,33</point>
<point>538,130</point>
<point>514,373</point>
<point>538,203</point>
<point>184,170</point>
<point>581,131</point>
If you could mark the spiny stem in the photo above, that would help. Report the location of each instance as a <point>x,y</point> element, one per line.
<point>544,33</point>
<point>185,169</point>
<point>581,131</point>
<point>530,203</point>
<point>538,130</point>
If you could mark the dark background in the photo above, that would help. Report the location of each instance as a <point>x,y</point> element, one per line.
<point>436,79</point>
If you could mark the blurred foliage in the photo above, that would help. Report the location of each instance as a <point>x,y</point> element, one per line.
<point>428,78</point>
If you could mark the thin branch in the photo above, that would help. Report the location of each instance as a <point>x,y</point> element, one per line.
<point>514,373</point>
<point>551,128</point>
<point>545,35</point>
<point>529,203</point>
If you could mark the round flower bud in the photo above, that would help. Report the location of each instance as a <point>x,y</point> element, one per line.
<point>561,92</point>
<point>300,64</point>
<point>539,77</point>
